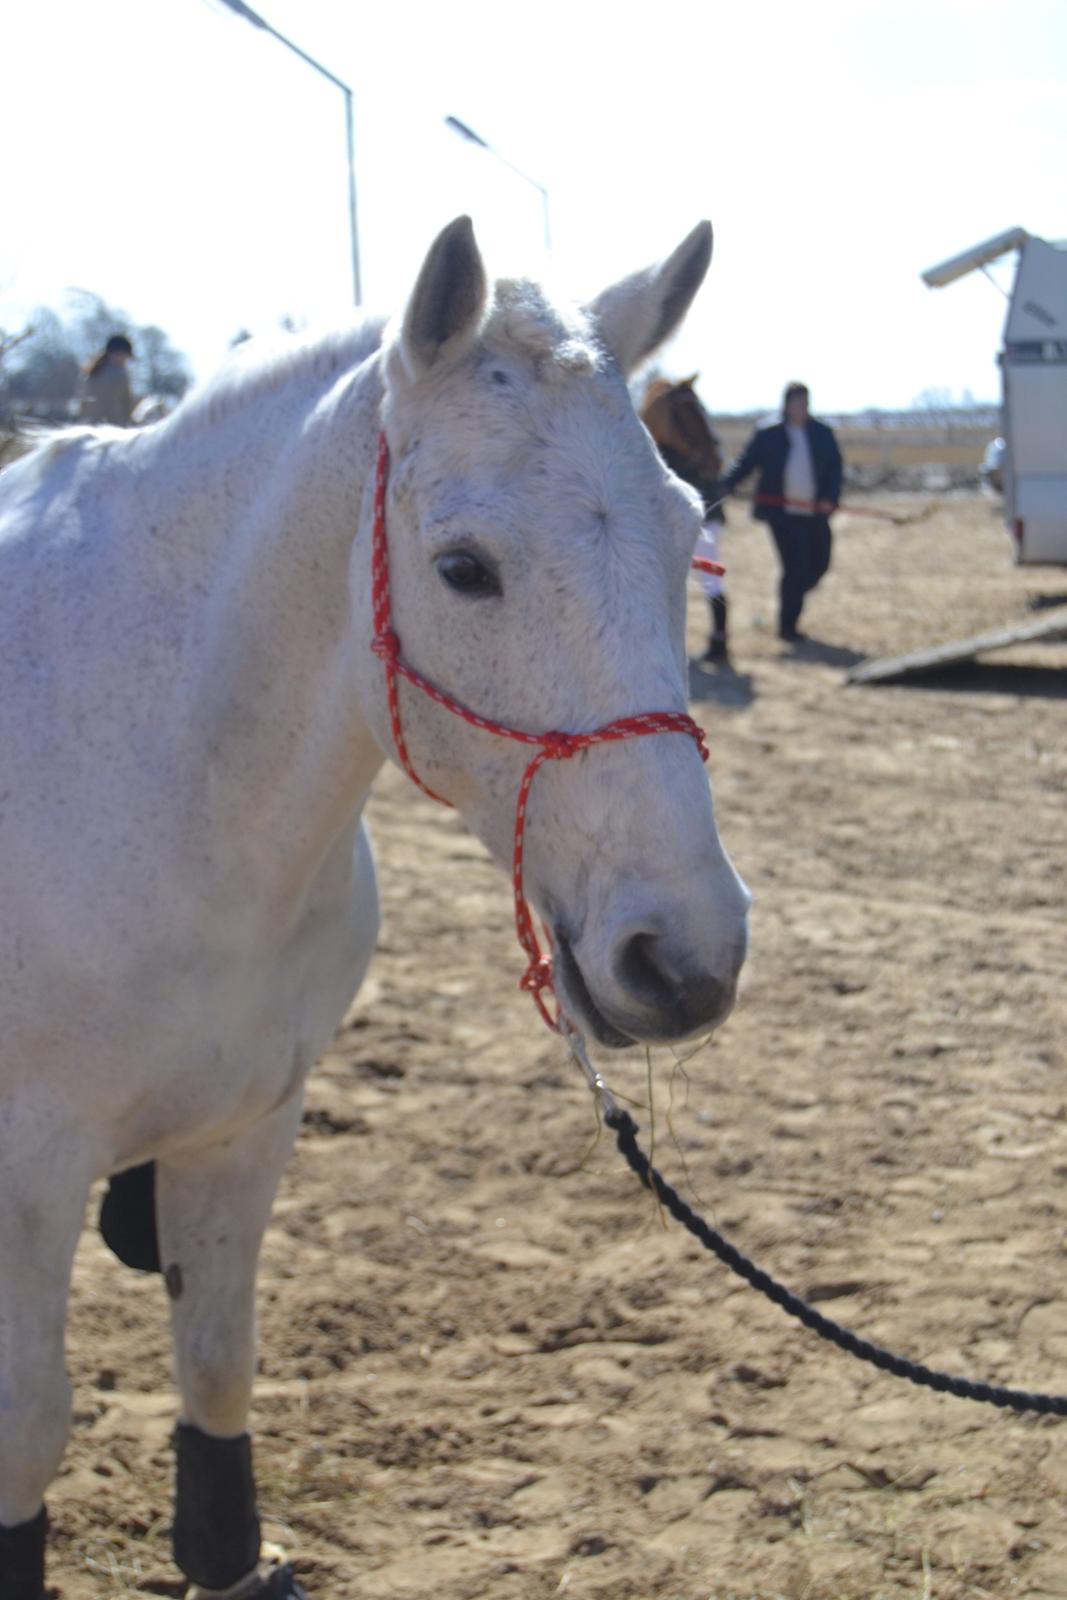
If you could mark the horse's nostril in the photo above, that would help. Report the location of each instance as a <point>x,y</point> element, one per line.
<point>683,1000</point>
<point>641,972</point>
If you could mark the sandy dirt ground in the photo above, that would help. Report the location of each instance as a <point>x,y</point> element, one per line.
<point>489,1373</point>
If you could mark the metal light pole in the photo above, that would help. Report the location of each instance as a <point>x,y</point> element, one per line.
<point>475,138</point>
<point>242,10</point>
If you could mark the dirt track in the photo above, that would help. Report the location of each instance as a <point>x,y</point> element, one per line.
<point>489,1376</point>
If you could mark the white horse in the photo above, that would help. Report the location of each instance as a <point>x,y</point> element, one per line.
<point>191,718</point>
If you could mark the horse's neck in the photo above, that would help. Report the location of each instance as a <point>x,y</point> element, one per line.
<point>269,508</point>
<point>239,459</point>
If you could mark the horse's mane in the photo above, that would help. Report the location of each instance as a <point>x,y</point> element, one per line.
<point>558,339</point>
<point>520,316</point>
<point>249,375</point>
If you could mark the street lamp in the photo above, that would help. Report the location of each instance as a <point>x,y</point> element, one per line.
<point>242,10</point>
<point>475,138</point>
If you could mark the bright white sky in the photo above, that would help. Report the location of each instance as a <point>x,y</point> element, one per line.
<point>187,167</point>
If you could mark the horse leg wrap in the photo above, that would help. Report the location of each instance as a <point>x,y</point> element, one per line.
<point>216,1530</point>
<point>22,1559</point>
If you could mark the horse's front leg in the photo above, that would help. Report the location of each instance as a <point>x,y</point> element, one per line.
<point>212,1211</point>
<point>44,1183</point>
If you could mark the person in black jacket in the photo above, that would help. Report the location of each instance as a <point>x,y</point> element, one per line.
<point>797,491</point>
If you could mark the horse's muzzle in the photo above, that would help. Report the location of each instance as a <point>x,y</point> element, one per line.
<point>654,998</point>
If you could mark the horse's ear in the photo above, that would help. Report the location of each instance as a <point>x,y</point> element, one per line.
<point>446,305</point>
<point>636,315</point>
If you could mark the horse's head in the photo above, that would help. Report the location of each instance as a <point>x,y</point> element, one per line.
<point>678,422</point>
<point>539,552</point>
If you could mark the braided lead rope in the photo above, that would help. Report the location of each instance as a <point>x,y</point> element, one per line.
<point>552,746</point>
<point>625,1130</point>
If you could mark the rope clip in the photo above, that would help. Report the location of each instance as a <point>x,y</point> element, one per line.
<point>598,1088</point>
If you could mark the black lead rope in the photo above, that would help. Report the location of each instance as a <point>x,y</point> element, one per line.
<point>625,1129</point>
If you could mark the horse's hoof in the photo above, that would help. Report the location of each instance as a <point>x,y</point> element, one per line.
<point>280,1584</point>
<point>273,1579</point>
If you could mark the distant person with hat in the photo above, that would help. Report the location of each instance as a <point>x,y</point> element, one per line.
<point>797,492</point>
<point>107,396</point>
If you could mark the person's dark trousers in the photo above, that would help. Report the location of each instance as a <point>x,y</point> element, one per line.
<point>718,649</point>
<point>804,547</point>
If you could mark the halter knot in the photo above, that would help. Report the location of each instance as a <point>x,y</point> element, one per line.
<point>560,746</point>
<point>534,981</point>
<point>538,976</point>
<point>386,646</point>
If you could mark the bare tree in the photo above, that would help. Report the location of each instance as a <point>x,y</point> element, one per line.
<point>9,342</point>
<point>162,369</point>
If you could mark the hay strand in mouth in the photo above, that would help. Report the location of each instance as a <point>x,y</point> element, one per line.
<point>679,1068</point>
<point>651,1090</point>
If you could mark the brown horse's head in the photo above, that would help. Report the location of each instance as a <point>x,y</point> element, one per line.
<point>678,422</point>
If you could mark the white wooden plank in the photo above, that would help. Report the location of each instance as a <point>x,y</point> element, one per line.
<point>885,668</point>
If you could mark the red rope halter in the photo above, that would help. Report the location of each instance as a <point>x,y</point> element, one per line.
<point>549,746</point>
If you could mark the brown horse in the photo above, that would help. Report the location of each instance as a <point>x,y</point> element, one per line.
<point>682,432</point>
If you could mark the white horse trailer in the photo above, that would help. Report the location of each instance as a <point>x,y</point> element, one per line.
<point>1033,366</point>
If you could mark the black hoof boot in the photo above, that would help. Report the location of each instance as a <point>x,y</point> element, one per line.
<point>215,1537</point>
<point>22,1559</point>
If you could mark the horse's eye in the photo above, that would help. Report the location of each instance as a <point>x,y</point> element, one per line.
<point>468,574</point>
